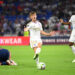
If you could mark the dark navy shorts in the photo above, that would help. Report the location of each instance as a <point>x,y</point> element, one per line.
<point>4,55</point>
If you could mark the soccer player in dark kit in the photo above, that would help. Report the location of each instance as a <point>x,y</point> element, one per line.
<point>5,57</point>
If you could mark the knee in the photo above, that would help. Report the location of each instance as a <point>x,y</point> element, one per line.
<point>71,44</point>
<point>38,50</point>
<point>39,45</point>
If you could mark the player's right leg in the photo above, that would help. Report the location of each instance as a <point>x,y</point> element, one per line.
<point>37,51</point>
<point>71,43</point>
<point>36,45</point>
<point>36,55</point>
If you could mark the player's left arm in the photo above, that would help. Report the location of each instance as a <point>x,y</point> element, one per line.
<point>48,34</point>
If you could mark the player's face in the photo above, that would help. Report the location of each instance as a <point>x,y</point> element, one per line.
<point>33,17</point>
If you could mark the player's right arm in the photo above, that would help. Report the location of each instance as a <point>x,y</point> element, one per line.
<point>26,29</point>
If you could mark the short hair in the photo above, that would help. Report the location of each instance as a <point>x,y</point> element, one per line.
<point>31,13</point>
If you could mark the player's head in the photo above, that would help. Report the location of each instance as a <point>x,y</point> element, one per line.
<point>33,15</point>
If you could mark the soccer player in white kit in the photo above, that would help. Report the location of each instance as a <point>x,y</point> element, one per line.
<point>72,37</point>
<point>35,29</point>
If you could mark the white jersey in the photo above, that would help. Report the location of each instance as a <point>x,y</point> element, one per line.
<point>35,28</point>
<point>72,20</point>
<point>72,37</point>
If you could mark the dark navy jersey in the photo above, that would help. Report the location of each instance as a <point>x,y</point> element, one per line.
<point>4,63</point>
<point>4,55</point>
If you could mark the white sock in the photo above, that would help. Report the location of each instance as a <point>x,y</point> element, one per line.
<point>73,49</point>
<point>38,50</point>
<point>37,60</point>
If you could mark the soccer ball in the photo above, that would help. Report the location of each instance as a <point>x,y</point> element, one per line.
<point>41,66</point>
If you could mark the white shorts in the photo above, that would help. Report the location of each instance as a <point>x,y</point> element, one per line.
<point>34,43</point>
<point>72,37</point>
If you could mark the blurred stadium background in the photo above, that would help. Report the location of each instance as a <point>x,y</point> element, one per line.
<point>14,15</point>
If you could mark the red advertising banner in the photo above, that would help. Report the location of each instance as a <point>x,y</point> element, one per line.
<point>14,40</point>
<point>1,2</point>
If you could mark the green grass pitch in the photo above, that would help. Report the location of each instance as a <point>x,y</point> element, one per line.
<point>58,60</point>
